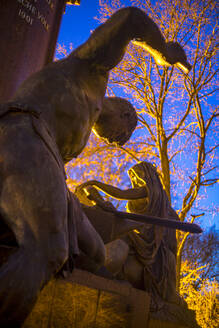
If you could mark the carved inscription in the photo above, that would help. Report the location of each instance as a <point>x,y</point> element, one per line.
<point>29,12</point>
<point>50,3</point>
<point>26,17</point>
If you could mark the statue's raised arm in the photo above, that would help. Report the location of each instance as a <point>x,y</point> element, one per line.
<point>106,46</point>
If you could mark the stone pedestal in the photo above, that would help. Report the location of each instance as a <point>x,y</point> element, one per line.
<point>84,300</point>
<point>163,324</point>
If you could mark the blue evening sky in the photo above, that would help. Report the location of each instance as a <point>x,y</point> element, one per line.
<point>77,24</point>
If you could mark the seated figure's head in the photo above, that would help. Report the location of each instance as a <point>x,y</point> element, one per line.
<point>117,121</point>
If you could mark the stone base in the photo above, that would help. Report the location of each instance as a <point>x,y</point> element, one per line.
<point>172,315</point>
<point>163,324</point>
<point>83,300</point>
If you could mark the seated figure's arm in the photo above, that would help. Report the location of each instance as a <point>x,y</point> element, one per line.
<point>132,193</point>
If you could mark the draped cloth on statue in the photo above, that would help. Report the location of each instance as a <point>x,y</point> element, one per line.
<point>155,246</point>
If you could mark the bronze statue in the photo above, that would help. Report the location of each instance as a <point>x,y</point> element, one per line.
<point>146,256</point>
<point>150,250</point>
<point>48,122</point>
<point>151,261</point>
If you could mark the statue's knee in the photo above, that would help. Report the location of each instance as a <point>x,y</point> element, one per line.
<point>100,256</point>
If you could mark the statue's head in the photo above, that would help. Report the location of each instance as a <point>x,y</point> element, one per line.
<point>117,121</point>
<point>145,174</point>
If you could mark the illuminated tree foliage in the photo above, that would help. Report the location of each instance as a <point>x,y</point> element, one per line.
<point>177,115</point>
<point>199,271</point>
<point>204,299</point>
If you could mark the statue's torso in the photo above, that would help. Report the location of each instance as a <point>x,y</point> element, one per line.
<point>70,105</point>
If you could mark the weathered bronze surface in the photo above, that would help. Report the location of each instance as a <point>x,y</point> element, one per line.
<point>129,194</point>
<point>146,257</point>
<point>152,244</point>
<point>46,123</point>
<point>28,30</point>
<point>103,215</point>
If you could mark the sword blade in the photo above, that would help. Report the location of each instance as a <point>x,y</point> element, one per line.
<point>164,222</point>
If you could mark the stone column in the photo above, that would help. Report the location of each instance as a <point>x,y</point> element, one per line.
<point>29,30</point>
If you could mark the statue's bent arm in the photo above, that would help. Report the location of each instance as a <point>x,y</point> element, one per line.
<point>117,193</point>
<point>107,44</point>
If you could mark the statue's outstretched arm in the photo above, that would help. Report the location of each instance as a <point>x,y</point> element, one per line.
<point>128,194</point>
<point>107,44</point>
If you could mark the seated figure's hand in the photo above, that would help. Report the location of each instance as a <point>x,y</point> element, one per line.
<point>88,195</point>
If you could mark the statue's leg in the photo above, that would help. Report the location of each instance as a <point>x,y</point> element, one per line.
<point>133,271</point>
<point>116,255</point>
<point>33,204</point>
